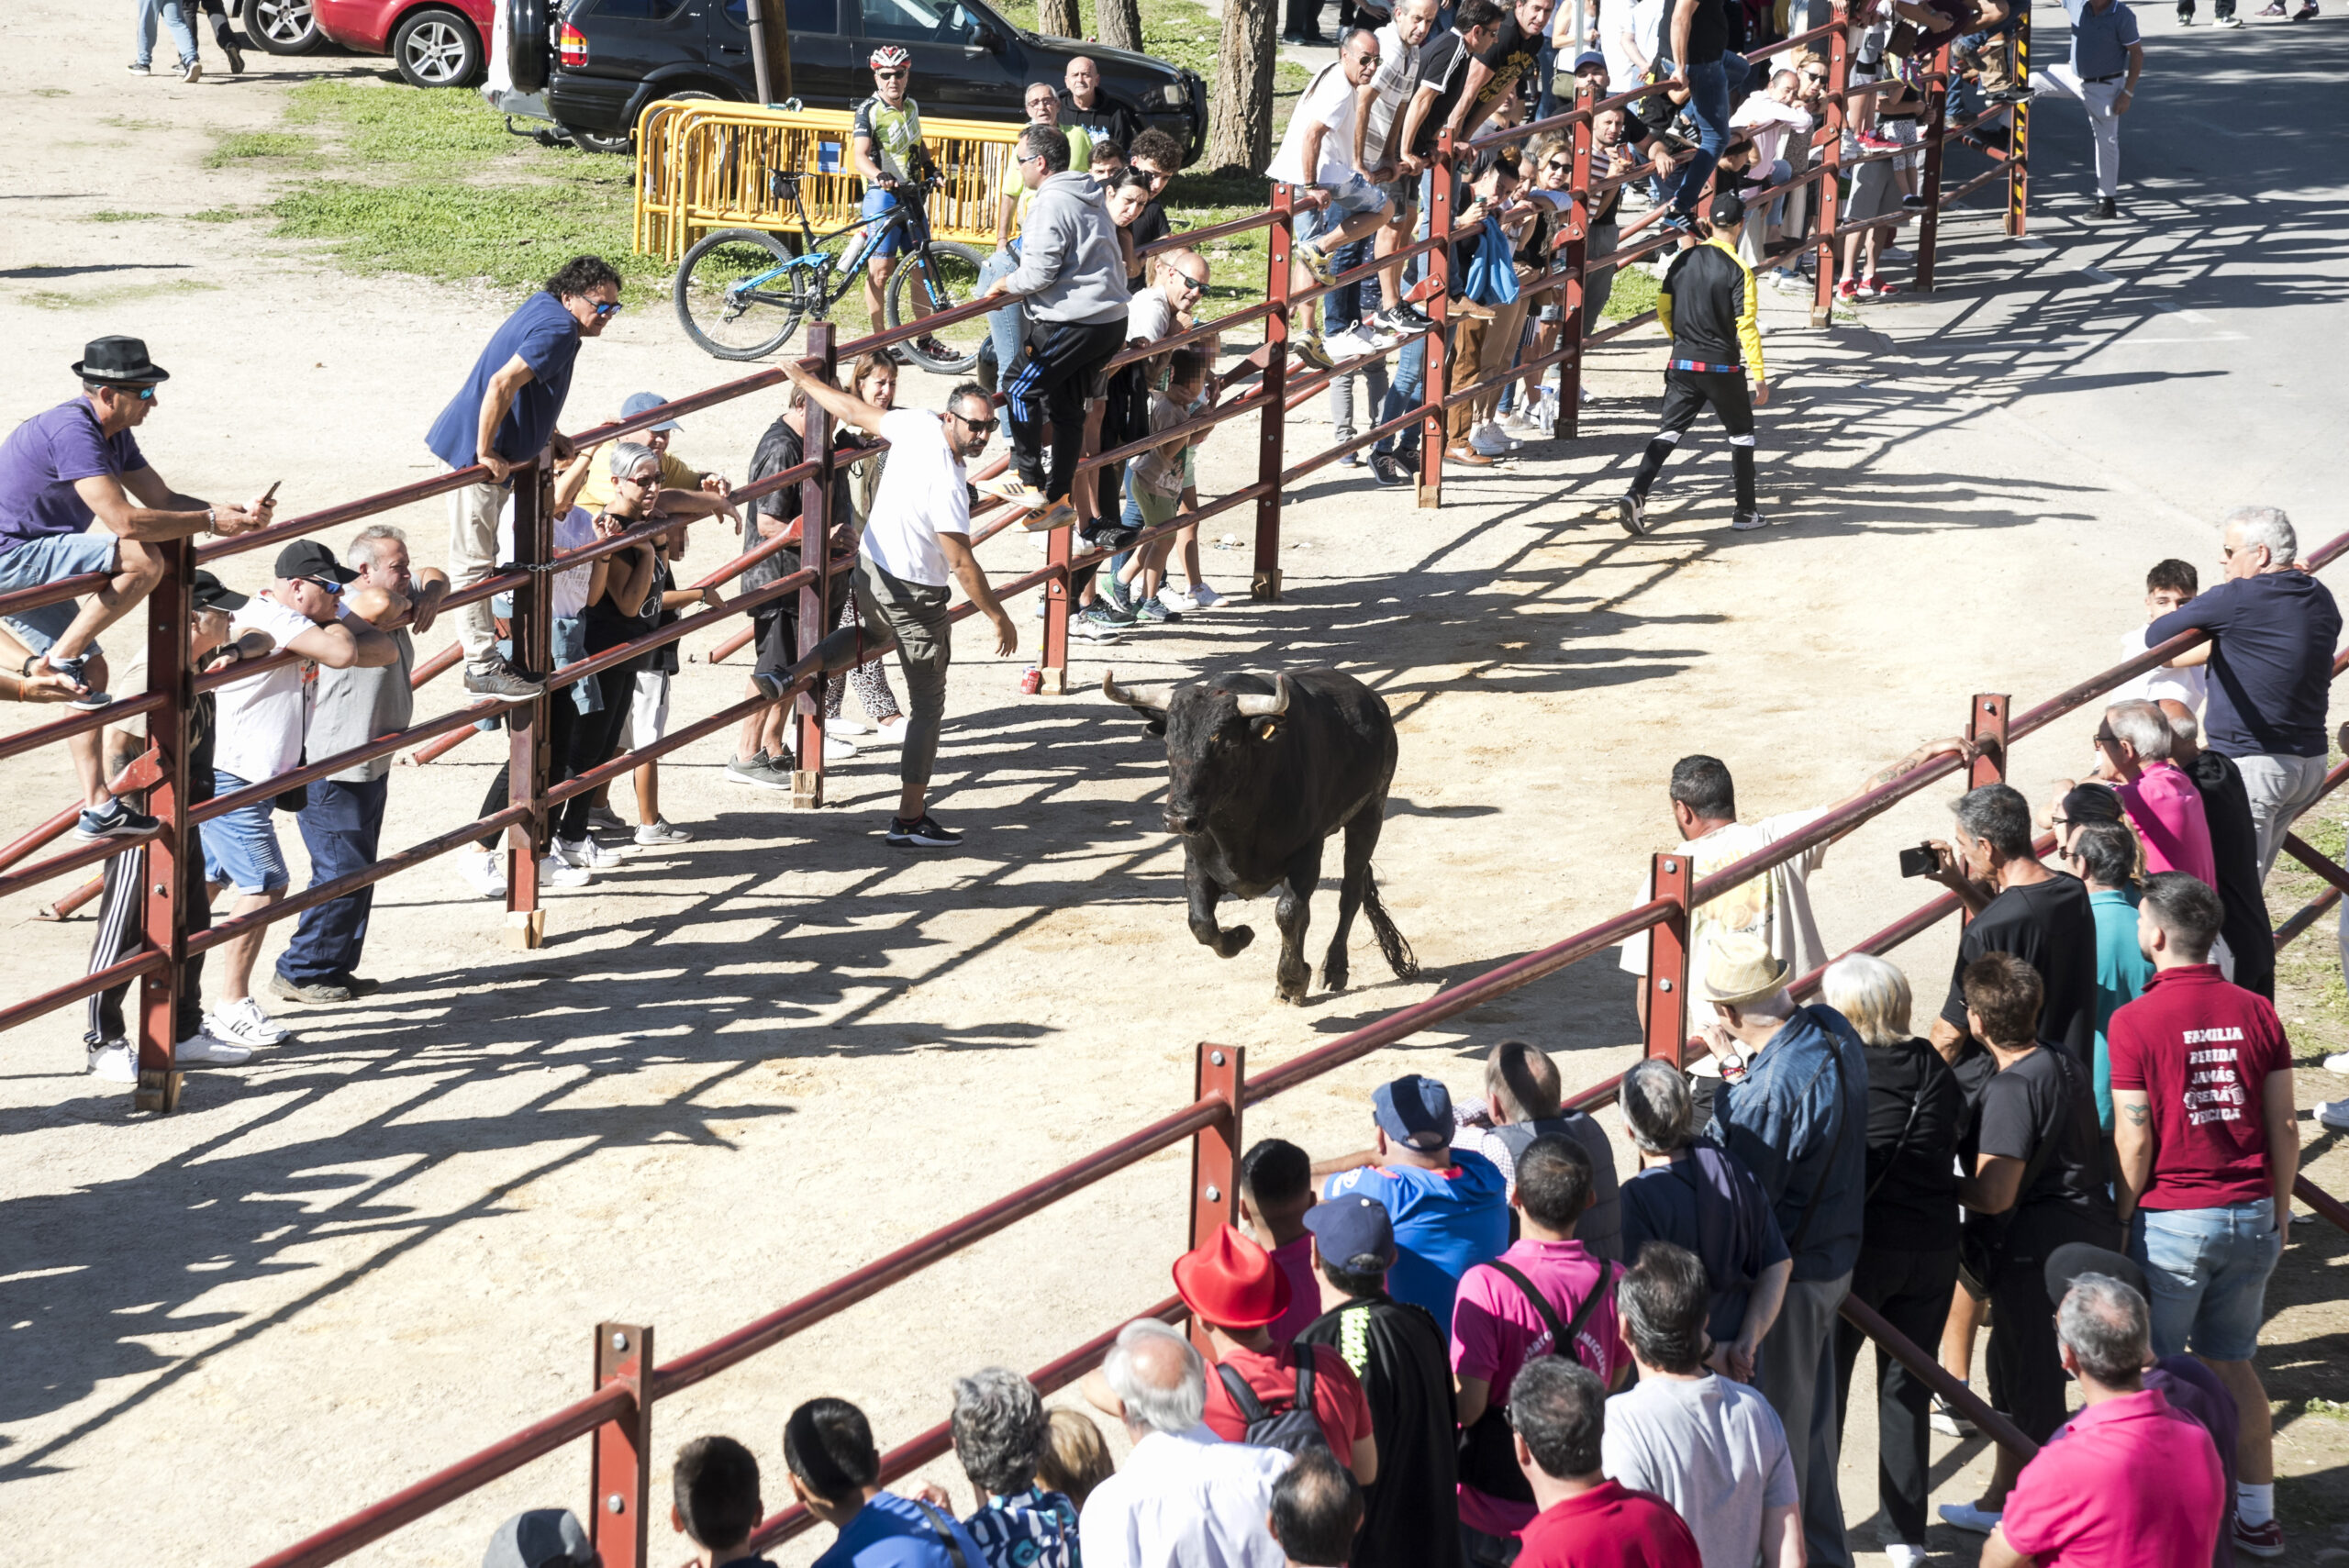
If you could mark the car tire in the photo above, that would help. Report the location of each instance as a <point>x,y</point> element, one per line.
<point>623,143</point>
<point>436,47</point>
<point>282,27</point>
<point>530,55</point>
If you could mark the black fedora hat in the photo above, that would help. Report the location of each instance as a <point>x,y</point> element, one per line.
<point>119,359</point>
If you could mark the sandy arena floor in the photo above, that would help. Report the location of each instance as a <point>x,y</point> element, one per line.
<point>744,1067</point>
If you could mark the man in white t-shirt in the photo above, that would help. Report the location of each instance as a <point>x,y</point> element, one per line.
<point>260,726</point>
<point>1335,200</point>
<point>2167,586</point>
<point>1775,906</point>
<point>916,533</point>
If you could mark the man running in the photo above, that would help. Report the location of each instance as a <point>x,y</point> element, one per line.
<point>1707,303</point>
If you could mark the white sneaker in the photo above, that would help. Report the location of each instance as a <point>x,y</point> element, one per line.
<point>114,1062</point>
<point>2337,1062</point>
<point>1008,486</point>
<point>1901,1554</point>
<point>1966,1517</point>
<point>1488,439</point>
<point>1348,345</point>
<point>1175,599</point>
<point>242,1022</point>
<point>2334,1114</point>
<point>1205,598</point>
<point>482,872</point>
<point>1521,424</point>
<point>1895,253</point>
<point>556,871</point>
<point>587,853</point>
<point>191,71</point>
<point>888,734</point>
<point>204,1049</point>
<point>846,727</point>
<point>837,748</point>
<point>659,832</point>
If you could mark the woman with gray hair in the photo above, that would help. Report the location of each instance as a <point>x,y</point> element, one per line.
<point>1000,1432</point>
<point>1908,1264</point>
<point>1691,1192</point>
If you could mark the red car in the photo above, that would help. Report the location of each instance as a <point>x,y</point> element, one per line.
<point>435,43</point>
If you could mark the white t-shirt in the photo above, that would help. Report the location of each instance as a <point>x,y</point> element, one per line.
<point>1329,101</point>
<point>1712,1448</point>
<point>922,495</point>
<point>1774,906</point>
<point>1622,67</point>
<point>262,718</point>
<point>1396,78</point>
<point>1647,33</point>
<point>1148,317</point>
<point>1769,121</point>
<point>2160,683</point>
<point>576,529</point>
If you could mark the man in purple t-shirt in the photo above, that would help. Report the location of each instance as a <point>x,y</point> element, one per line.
<point>59,470</point>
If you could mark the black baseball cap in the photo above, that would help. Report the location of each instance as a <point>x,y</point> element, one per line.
<point>208,592</point>
<point>308,558</point>
<point>1727,208</point>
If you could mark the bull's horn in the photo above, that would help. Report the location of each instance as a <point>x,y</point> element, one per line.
<point>1152,696</point>
<point>1267,707</point>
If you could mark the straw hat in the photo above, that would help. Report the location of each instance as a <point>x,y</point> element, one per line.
<point>1740,969</point>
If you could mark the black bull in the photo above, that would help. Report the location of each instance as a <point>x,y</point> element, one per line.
<point>1261,772</point>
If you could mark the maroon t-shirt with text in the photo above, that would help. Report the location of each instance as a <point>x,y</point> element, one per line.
<point>2200,1051</point>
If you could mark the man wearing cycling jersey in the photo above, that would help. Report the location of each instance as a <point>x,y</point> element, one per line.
<point>1707,303</point>
<point>889,153</point>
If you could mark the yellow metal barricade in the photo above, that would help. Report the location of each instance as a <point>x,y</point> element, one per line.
<point>701,165</point>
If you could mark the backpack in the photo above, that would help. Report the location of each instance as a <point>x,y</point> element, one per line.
<point>1293,1427</point>
<point>1488,1449</point>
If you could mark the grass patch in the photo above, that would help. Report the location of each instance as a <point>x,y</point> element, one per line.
<point>218,215</point>
<point>246,146</point>
<point>1633,295</point>
<point>111,217</point>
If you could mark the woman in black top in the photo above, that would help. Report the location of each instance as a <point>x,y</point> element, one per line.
<point>621,605</point>
<point>1908,1261</point>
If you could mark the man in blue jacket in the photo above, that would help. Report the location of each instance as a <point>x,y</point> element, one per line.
<point>1793,1106</point>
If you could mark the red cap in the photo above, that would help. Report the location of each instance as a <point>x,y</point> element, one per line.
<point>1232,1282</point>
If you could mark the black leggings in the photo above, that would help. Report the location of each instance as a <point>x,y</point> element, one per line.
<point>1912,1291</point>
<point>1686,394</point>
<point>563,717</point>
<point>596,739</point>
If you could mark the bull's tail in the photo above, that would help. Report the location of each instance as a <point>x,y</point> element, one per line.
<point>1399,956</point>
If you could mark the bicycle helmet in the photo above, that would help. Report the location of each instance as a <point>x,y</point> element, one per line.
<point>889,55</point>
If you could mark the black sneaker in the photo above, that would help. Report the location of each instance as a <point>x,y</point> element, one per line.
<point>77,672</point>
<point>2106,210</point>
<point>1679,222</point>
<point>1403,320</point>
<point>492,676</point>
<point>1109,612</point>
<point>761,772</point>
<point>1149,612</point>
<point>1385,469</point>
<point>1631,511</point>
<point>112,820</point>
<point>315,991</point>
<point>923,833</point>
<point>1746,522</point>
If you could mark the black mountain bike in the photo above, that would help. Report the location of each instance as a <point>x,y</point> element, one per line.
<point>741,293</point>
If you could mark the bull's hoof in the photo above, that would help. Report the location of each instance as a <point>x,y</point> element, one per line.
<point>1294,998</point>
<point>1232,943</point>
<point>1334,976</point>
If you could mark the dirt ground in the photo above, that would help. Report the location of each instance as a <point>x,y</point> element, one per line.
<point>745,1066</point>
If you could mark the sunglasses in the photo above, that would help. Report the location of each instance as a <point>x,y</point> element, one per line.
<point>979,427</point>
<point>326,585</point>
<point>646,482</point>
<point>891,76</point>
<point>606,310</point>
<point>2107,737</point>
<point>1194,285</point>
<point>1557,165</point>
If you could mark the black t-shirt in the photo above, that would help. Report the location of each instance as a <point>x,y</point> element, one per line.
<point>1916,1109</point>
<point>1150,226</point>
<point>1513,54</point>
<point>1103,119</point>
<point>1411,1516</point>
<point>1444,65</point>
<point>663,658</point>
<point>605,625</point>
<point>780,448</point>
<point>2050,926</point>
<point>2043,1112</point>
<point>1708,34</point>
<point>2234,853</point>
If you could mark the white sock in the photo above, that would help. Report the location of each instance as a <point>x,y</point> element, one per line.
<point>2255,1504</point>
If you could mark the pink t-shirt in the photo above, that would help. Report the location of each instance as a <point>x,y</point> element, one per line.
<point>1495,1330</point>
<point>2132,1482</point>
<point>1295,1259</point>
<point>2167,810</point>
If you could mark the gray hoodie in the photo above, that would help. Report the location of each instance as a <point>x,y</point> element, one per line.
<point>1071,267</point>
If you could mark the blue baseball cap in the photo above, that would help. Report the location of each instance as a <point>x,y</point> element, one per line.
<point>638,402</point>
<point>1352,1227</point>
<point>1414,1110</point>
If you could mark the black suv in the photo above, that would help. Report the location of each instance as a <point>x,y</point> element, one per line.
<point>613,57</point>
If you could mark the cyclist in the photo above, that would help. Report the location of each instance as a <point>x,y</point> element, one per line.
<point>889,153</point>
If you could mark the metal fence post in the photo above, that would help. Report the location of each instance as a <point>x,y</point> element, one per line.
<point>620,1461</point>
<point>1671,876</point>
<point>1986,725</point>
<point>1264,582</point>
<point>815,598</point>
<point>1438,310</point>
<point>2019,134</point>
<point>1571,327</point>
<point>1215,1155</point>
<point>530,756</point>
<point>1839,113</point>
<point>165,920</point>
<point>1929,227</point>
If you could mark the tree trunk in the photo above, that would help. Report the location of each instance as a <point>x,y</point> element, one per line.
<point>1120,23</point>
<point>1240,129</point>
<point>1057,19</point>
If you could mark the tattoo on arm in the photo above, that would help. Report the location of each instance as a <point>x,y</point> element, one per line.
<point>2138,1115</point>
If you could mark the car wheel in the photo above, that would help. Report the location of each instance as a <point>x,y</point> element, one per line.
<point>436,48</point>
<point>282,27</point>
<point>623,143</point>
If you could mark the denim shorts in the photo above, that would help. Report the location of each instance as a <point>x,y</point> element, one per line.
<point>38,563</point>
<point>240,847</point>
<point>1352,199</point>
<point>2206,1270</point>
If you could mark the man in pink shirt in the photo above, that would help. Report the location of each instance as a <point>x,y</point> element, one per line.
<point>1545,1296</point>
<point>2129,1483</point>
<point>2132,748</point>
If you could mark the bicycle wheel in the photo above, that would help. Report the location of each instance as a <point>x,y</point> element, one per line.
<point>738,296</point>
<point>953,279</point>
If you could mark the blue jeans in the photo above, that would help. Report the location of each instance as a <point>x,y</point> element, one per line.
<point>1405,392</point>
<point>240,846</point>
<point>1003,326</point>
<point>142,38</point>
<point>342,824</point>
<point>2206,1276</point>
<point>1712,85</point>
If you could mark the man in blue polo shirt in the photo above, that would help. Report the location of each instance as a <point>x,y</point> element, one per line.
<point>2105,50</point>
<point>1449,1207</point>
<point>60,471</point>
<point>2272,628</point>
<point>504,417</point>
